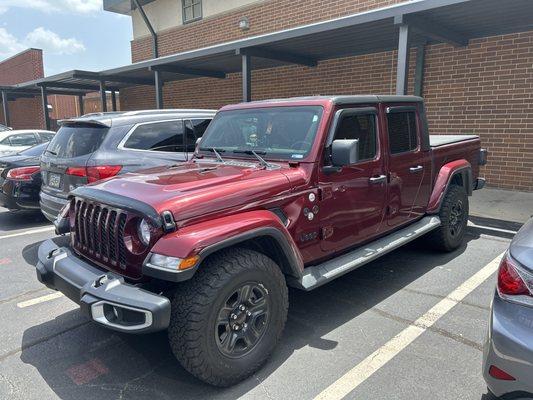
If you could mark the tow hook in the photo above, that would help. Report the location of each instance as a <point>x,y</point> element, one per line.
<point>101,280</point>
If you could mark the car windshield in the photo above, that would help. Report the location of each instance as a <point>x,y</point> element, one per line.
<point>3,128</point>
<point>35,150</point>
<point>275,132</point>
<point>75,141</point>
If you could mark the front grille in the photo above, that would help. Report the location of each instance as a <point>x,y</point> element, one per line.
<point>98,233</point>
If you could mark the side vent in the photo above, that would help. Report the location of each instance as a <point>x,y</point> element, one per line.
<point>281,215</point>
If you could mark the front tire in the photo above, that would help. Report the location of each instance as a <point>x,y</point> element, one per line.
<point>228,318</point>
<point>454,218</point>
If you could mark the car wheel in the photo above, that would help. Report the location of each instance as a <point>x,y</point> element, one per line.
<point>228,318</point>
<point>454,218</point>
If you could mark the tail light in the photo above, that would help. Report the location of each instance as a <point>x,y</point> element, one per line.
<point>512,280</point>
<point>94,174</point>
<point>500,374</point>
<point>22,173</point>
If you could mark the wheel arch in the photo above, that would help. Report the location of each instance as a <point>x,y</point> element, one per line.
<point>458,173</point>
<point>267,240</point>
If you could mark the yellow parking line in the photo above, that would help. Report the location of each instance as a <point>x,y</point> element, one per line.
<point>38,300</point>
<point>366,368</point>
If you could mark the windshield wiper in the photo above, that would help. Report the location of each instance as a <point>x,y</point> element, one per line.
<point>214,150</point>
<point>262,161</point>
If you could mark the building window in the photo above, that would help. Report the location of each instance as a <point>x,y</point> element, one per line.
<point>192,10</point>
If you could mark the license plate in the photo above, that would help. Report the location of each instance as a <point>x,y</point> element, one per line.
<point>54,180</point>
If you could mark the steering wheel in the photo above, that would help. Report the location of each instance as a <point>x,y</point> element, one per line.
<point>298,145</point>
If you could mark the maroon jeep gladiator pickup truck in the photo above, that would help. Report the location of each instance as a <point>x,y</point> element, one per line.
<point>285,192</point>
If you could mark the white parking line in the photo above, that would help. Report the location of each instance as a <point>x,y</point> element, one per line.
<point>38,300</point>
<point>470,223</point>
<point>30,232</point>
<point>366,368</point>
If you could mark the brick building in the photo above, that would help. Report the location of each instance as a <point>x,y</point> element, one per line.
<point>484,87</point>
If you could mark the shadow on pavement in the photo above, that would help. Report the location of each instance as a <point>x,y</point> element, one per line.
<point>88,362</point>
<point>19,220</point>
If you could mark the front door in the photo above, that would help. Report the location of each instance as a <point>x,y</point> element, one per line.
<point>409,165</point>
<point>353,199</point>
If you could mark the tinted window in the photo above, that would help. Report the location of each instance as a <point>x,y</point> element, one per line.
<point>278,132</point>
<point>76,141</point>
<point>361,127</point>
<point>402,131</point>
<point>159,136</point>
<point>24,139</point>
<point>35,150</point>
<point>194,129</point>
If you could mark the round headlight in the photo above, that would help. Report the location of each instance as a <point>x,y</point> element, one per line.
<point>144,232</point>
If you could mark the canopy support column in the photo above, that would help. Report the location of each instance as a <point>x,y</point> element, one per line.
<point>114,100</point>
<point>158,90</point>
<point>46,112</point>
<point>5,105</point>
<point>103,97</point>
<point>403,60</point>
<point>80,104</point>
<point>246,78</point>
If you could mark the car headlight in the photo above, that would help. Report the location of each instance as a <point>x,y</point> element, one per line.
<point>160,261</point>
<point>143,230</point>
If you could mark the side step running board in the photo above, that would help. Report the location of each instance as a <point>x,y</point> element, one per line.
<point>318,275</point>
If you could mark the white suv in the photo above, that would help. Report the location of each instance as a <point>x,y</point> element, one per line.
<point>13,141</point>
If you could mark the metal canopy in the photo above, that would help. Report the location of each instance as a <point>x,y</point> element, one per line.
<point>431,21</point>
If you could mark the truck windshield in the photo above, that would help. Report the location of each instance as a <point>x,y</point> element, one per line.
<point>275,132</point>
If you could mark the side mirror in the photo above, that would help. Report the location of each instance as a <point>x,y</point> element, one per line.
<point>344,152</point>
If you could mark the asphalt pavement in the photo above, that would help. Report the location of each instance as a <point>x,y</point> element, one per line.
<point>408,326</point>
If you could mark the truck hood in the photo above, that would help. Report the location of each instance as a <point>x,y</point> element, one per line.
<point>200,188</point>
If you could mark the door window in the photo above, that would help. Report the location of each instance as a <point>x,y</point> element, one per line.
<point>403,135</point>
<point>361,127</point>
<point>25,139</point>
<point>160,136</point>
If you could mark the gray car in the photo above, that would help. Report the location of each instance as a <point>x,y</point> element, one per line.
<point>101,145</point>
<point>508,352</point>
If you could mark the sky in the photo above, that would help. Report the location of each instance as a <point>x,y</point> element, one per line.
<point>74,34</point>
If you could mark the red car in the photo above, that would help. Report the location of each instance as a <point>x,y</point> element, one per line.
<point>284,192</point>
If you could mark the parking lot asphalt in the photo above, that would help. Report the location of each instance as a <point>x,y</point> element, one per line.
<point>408,326</point>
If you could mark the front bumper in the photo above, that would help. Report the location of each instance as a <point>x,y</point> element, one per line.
<point>509,346</point>
<point>103,296</point>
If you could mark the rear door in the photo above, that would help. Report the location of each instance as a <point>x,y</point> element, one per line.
<point>409,165</point>
<point>64,161</point>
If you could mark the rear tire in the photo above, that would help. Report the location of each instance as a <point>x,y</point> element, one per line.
<point>228,318</point>
<point>454,218</point>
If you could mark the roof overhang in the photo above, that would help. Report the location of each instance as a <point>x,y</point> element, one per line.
<point>123,6</point>
<point>431,21</point>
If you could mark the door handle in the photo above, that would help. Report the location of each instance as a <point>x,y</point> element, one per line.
<point>378,179</point>
<point>418,168</point>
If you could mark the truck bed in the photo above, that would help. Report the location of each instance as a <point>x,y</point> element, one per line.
<point>442,140</point>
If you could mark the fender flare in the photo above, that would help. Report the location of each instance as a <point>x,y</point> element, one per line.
<point>208,237</point>
<point>444,179</point>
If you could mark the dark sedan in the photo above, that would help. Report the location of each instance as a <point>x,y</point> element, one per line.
<point>20,179</point>
<point>508,353</point>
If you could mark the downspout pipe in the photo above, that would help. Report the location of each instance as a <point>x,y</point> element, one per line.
<point>150,28</point>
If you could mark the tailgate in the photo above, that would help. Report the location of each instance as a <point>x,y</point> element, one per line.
<point>65,159</point>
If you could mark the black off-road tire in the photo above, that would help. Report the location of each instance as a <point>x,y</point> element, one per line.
<point>454,218</point>
<point>196,309</point>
